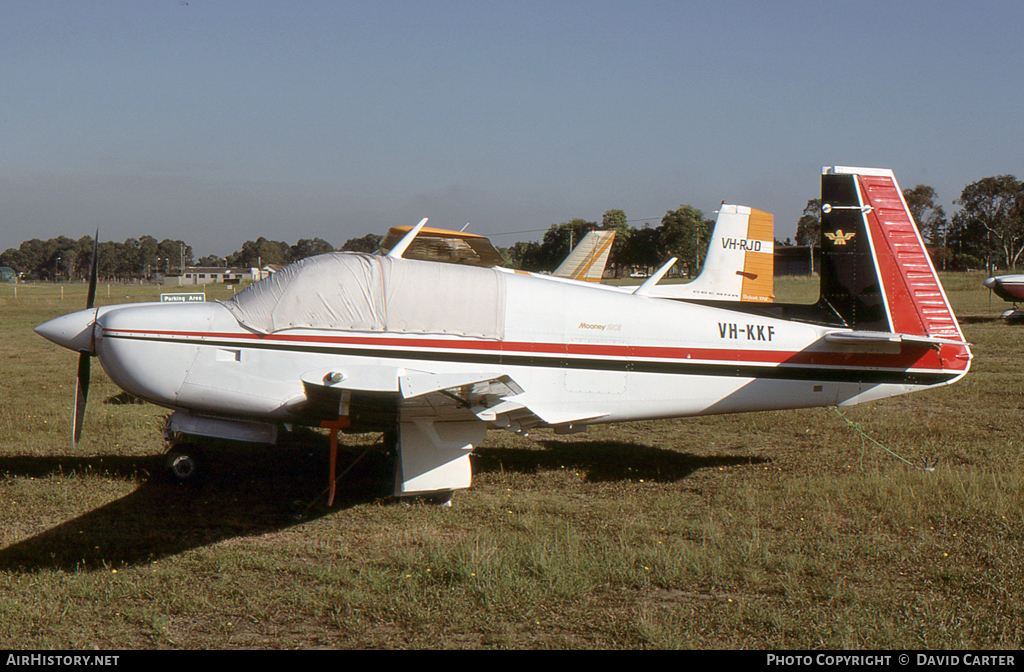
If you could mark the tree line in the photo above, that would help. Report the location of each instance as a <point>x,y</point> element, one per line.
<point>684,233</point>
<point>64,259</point>
<point>986,232</point>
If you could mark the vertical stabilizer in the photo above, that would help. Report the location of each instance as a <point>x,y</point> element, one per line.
<point>588,259</point>
<point>740,265</point>
<point>876,272</point>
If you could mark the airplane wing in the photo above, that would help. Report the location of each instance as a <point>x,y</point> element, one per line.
<point>457,396</point>
<point>440,417</point>
<point>496,400</point>
<point>442,245</point>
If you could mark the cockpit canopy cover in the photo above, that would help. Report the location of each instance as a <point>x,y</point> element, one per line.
<point>362,292</point>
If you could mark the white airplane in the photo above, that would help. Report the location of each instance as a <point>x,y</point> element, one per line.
<point>1008,288</point>
<point>435,354</point>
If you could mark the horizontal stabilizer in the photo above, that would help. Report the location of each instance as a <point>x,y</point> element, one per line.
<point>861,337</point>
<point>877,337</point>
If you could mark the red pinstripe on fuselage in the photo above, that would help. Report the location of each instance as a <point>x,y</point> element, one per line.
<point>948,359</point>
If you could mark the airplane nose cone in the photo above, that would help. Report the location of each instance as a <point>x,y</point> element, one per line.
<point>990,282</point>
<point>73,331</point>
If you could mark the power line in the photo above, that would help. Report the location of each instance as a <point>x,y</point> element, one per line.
<point>514,233</point>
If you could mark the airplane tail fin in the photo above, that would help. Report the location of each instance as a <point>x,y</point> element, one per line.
<point>876,273</point>
<point>740,265</point>
<point>588,259</point>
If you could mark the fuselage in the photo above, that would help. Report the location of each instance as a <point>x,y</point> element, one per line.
<point>577,350</point>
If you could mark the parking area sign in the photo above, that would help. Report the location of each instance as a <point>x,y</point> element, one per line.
<point>186,297</point>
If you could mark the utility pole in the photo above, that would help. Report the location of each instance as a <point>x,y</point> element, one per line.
<point>696,252</point>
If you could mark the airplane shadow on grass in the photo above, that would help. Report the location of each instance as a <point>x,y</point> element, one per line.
<point>249,490</point>
<point>603,460</point>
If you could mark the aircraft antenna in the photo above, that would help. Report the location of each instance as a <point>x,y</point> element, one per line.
<point>398,250</point>
<point>654,279</point>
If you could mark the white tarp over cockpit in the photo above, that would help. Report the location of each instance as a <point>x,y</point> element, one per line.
<point>361,292</point>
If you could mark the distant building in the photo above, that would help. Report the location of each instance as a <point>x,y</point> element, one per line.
<point>796,259</point>
<point>205,275</point>
<point>8,274</point>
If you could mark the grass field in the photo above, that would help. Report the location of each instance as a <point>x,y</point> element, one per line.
<point>763,530</point>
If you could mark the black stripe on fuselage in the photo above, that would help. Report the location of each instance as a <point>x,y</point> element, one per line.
<point>677,367</point>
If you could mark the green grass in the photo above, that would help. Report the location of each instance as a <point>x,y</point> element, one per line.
<point>762,530</point>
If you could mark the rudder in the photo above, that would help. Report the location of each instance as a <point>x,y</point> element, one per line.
<point>876,272</point>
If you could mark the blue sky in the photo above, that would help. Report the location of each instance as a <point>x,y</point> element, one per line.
<point>218,121</point>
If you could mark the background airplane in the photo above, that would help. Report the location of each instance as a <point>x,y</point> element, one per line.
<point>587,261</point>
<point>739,265</point>
<point>445,246</point>
<point>435,354</point>
<point>1008,288</point>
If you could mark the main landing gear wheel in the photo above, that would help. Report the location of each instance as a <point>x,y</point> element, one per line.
<point>183,462</point>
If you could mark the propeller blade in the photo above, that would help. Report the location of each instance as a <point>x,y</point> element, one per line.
<point>84,365</point>
<point>81,395</point>
<point>93,270</point>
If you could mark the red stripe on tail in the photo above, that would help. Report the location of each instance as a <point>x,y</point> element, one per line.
<point>917,303</point>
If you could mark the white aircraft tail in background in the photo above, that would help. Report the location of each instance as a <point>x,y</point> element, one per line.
<point>740,265</point>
